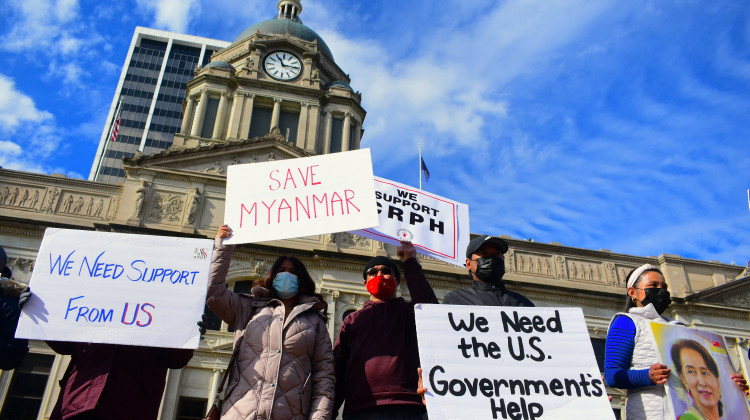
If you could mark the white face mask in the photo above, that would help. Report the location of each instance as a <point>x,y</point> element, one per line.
<point>286,285</point>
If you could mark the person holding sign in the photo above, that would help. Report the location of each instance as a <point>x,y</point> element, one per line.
<point>376,351</point>
<point>631,360</point>
<point>12,297</point>
<point>284,365</point>
<point>486,265</point>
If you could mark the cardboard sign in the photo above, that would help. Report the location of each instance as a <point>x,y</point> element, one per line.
<point>116,288</point>
<point>699,385</point>
<point>481,362</point>
<point>438,227</point>
<point>300,197</point>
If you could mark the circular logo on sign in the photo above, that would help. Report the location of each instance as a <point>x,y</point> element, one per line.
<point>404,235</point>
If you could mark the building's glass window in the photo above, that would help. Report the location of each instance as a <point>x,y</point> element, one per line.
<point>337,126</point>
<point>191,408</point>
<point>351,136</point>
<point>209,119</point>
<point>598,345</point>
<point>260,122</point>
<point>27,388</point>
<point>288,123</point>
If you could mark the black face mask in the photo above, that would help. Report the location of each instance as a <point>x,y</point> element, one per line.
<point>657,296</point>
<point>490,269</point>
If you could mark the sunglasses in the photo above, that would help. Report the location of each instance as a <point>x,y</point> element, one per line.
<point>384,271</point>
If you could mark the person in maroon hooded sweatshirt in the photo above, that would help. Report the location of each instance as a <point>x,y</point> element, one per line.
<point>375,355</point>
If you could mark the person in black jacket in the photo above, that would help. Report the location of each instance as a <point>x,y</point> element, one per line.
<point>486,265</point>
<point>12,297</point>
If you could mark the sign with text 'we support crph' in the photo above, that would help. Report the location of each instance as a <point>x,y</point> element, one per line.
<point>116,288</point>
<point>481,362</point>
<point>438,227</point>
<point>300,197</point>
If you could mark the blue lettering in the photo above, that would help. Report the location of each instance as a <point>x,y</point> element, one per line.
<point>143,309</point>
<point>62,268</point>
<point>90,268</point>
<point>98,268</point>
<point>125,312</point>
<point>73,308</point>
<point>140,275</point>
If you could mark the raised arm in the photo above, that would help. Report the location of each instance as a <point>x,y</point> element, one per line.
<point>222,301</point>
<point>419,289</point>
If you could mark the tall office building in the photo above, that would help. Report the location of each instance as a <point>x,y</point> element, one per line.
<point>152,88</point>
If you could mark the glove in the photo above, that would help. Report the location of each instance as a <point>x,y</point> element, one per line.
<point>202,325</point>
<point>23,297</point>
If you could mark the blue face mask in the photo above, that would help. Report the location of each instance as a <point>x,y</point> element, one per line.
<point>286,285</point>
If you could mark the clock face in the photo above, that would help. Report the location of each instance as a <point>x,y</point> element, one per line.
<point>282,65</point>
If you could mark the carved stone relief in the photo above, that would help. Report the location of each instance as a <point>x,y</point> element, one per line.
<point>354,240</point>
<point>140,199</point>
<point>532,264</point>
<point>20,197</point>
<point>52,195</point>
<point>22,264</point>
<point>216,169</point>
<point>562,272</point>
<point>193,202</point>
<point>166,207</point>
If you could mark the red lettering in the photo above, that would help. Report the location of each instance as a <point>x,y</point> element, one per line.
<point>289,177</point>
<point>312,175</point>
<point>301,175</point>
<point>244,210</point>
<point>298,205</point>
<point>278,184</point>
<point>348,201</point>
<point>282,206</point>
<point>143,309</point>
<point>336,198</point>
<point>269,209</point>
<point>324,200</point>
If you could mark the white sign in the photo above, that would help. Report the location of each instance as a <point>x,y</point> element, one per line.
<point>481,362</point>
<point>438,227</point>
<point>300,197</point>
<point>116,288</point>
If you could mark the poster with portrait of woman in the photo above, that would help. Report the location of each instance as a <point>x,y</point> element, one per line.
<point>700,384</point>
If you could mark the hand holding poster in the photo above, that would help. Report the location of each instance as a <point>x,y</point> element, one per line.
<point>438,227</point>
<point>104,287</point>
<point>699,385</point>
<point>482,362</point>
<point>300,197</point>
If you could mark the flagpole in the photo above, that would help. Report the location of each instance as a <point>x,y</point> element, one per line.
<point>420,166</point>
<point>109,137</point>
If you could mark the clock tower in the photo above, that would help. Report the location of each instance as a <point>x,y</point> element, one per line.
<point>277,74</point>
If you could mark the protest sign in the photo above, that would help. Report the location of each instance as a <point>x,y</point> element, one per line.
<point>700,385</point>
<point>300,197</point>
<point>116,288</point>
<point>438,227</point>
<point>481,362</point>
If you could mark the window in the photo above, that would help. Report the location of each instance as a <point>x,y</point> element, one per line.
<point>27,388</point>
<point>191,408</point>
<point>209,119</point>
<point>213,322</point>
<point>288,123</point>
<point>260,122</point>
<point>598,345</point>
<point>336,130</point>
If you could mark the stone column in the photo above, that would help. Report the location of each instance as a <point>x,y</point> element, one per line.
<point>327,138</point>
<point>345,136</point>
<point>313,123</point>
<point>214,387</point>
<point>219,124</point>
<point>247,116</point>
<point>304,111</point>
<point>200,114</point>
<point>233,127</point>
<point>187,119</point>
<point>276,113</point>
<point>357,135</point>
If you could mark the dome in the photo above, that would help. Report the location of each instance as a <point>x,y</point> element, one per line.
<point>219,65</point>
<point>339,84</point>
<point>282,26</point>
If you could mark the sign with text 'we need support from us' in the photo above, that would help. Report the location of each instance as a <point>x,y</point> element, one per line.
<point>300,197</point>
<point>481,362</point>
<point>438,227</point>
<point>116,288</point>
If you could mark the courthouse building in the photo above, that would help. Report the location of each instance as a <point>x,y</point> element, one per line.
<point>276,92</point>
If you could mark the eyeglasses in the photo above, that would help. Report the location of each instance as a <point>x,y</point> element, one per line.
<point>383,270</point>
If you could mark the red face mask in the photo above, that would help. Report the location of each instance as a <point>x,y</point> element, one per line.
<point>381,287</point>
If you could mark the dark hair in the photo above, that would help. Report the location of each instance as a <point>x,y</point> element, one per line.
<point>676,353</point>
<point>628,301</point>
<point>306,283</point>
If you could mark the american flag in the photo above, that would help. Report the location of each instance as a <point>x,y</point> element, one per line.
<point>116,128</point>
<point>424,169</point>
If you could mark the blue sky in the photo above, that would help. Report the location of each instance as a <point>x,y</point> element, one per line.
<point>596,124</point>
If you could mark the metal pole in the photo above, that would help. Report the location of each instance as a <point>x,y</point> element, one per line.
<point>420,166</point>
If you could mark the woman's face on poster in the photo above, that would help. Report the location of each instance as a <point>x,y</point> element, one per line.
<point>700,381</point>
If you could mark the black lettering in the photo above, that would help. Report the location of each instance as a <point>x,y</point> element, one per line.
<point>415,218</point>
<point>513,354</point>
<point>439,226</point>
<point>482,324</point>
<point>464,347</point>
<point>461,388</point>
<point>597,385</point>
<point>585,385</point>
<point>572,383</point>
<point>556,387</point>
<point>535,411</point>
<point>540,387</point>
<point>485,387</point>
<point>498,409</point>
<point>442,389</point>
<point>554,324</point>
<point>540,354</point>
<point>461,324</point>
<point>395,213</point>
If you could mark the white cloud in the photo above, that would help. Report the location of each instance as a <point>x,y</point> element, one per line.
<point>173,15</point>
<point>17,108</point>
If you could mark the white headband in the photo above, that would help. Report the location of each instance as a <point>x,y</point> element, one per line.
<point>637,273</point>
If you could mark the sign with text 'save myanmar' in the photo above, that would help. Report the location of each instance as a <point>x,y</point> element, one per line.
<point>300,197</point>
<point>116,288</point>
<point>481,362</point>
<point>438,227</point>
